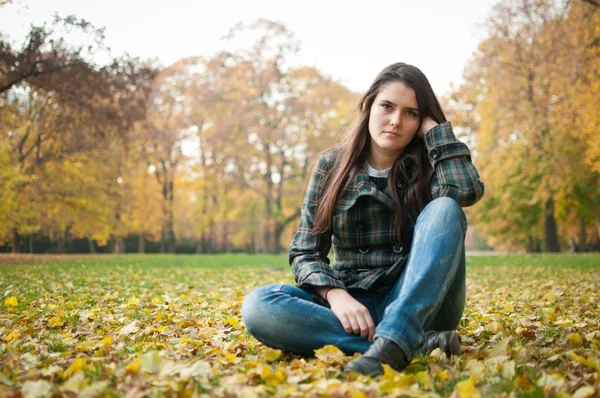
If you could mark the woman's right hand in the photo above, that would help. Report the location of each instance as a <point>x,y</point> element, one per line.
<point>354,316</point>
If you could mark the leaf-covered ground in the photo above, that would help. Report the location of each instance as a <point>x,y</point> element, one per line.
<point>171,326</point>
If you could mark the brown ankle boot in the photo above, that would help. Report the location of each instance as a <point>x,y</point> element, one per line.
<point>381,351</point>
<point>446,340</point>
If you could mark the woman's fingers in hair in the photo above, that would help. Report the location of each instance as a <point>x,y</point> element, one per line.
<point>427,124</point>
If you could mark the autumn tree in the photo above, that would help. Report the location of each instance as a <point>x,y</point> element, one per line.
<point>58,106</point>
<point>283,107</point>
<point>228,141</point>
<point>519,98</point>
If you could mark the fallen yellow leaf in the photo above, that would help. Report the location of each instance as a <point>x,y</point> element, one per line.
<point>160,315</point>
<point>443,375</point>
<point>11,336</point>
<point>55,322</point>
<point>234,322</point>
<point>330,354</point>
<point>584,361</point>
<point>467,388</point>
<point>75,367</point>
<point>575,339</point>
<point>272,355</point>
<point>11,302</point>
<point>134,367</point>
<point>132,301</point>
<point>550,297</point>
<point>584,392</point>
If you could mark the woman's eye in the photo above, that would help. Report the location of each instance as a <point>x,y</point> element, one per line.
<point>412,113</point>
<point>386,106</point>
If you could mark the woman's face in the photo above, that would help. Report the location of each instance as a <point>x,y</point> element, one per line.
<point>393,120</point>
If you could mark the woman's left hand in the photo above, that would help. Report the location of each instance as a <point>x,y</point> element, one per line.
<point>427,124</point>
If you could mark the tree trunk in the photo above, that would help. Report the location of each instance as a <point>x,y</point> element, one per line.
<point>281,226</point>
<point>572,245</point>
<point>162,247</point>
<point>141,244</point>
<point>278,231</point>
<point>267,228</point>
<point>226,243</point>
<point>119,245</point>
<point>61,244</point>
<point>16,245</point>
<point>69,241</point>
<point>92,246</point>
<point>170,226</point>
<point>550,229</point>
<point>582,235</point>
<point>531,245</point>
<point>201,247</point>
<point>268,202</point>
<point>211,245</point>
<point>30,240</point>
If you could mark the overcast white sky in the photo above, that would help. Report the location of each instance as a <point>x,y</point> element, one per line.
<point>349,40</point>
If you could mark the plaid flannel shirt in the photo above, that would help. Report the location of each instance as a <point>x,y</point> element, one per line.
<point>367,254</point>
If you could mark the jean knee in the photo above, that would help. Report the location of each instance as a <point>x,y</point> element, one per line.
<point>255,306</point>
<point>444,210</point>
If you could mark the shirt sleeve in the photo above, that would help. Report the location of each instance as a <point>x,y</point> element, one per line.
<point>308,253</point>
<point>455,176</point>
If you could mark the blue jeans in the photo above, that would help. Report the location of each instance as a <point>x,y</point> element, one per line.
<point>429,295</point>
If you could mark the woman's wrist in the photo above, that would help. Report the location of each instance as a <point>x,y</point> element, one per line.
<point>334,291</point>
<point>324,291</point>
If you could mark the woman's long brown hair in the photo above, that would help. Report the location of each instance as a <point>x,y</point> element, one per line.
<point>410,177</point>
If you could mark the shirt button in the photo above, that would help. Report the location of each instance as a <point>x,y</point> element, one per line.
<point>364,250</point>
<point>434,153</point>
<point>397,248</point>
<point>360,225</point>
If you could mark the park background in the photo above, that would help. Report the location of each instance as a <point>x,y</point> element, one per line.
<point>202,142</point>
<point>183,127</point>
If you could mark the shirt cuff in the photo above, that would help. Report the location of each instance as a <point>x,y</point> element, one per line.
<point>315,275</point>
<point>441,143</point>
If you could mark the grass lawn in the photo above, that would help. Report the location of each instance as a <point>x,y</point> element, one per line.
<point>170,326</point>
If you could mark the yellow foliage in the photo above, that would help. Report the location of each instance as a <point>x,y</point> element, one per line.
<point>234,322</point>
<point>331,355</point>
<point>467,389</point>
<point>75,366</point>
<point>584,361</point>
<point>575,339</point>
<point>55,322</point>
<point>272,355</point>
<point>12,336</point>
<point>11,302</point>
<point>133,301</point>
<point>134,367</point>
<point>550,297</point>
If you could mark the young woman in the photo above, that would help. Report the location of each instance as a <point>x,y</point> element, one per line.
<point>389,199</point>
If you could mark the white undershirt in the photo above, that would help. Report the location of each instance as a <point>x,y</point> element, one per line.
<point>377,173</point>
